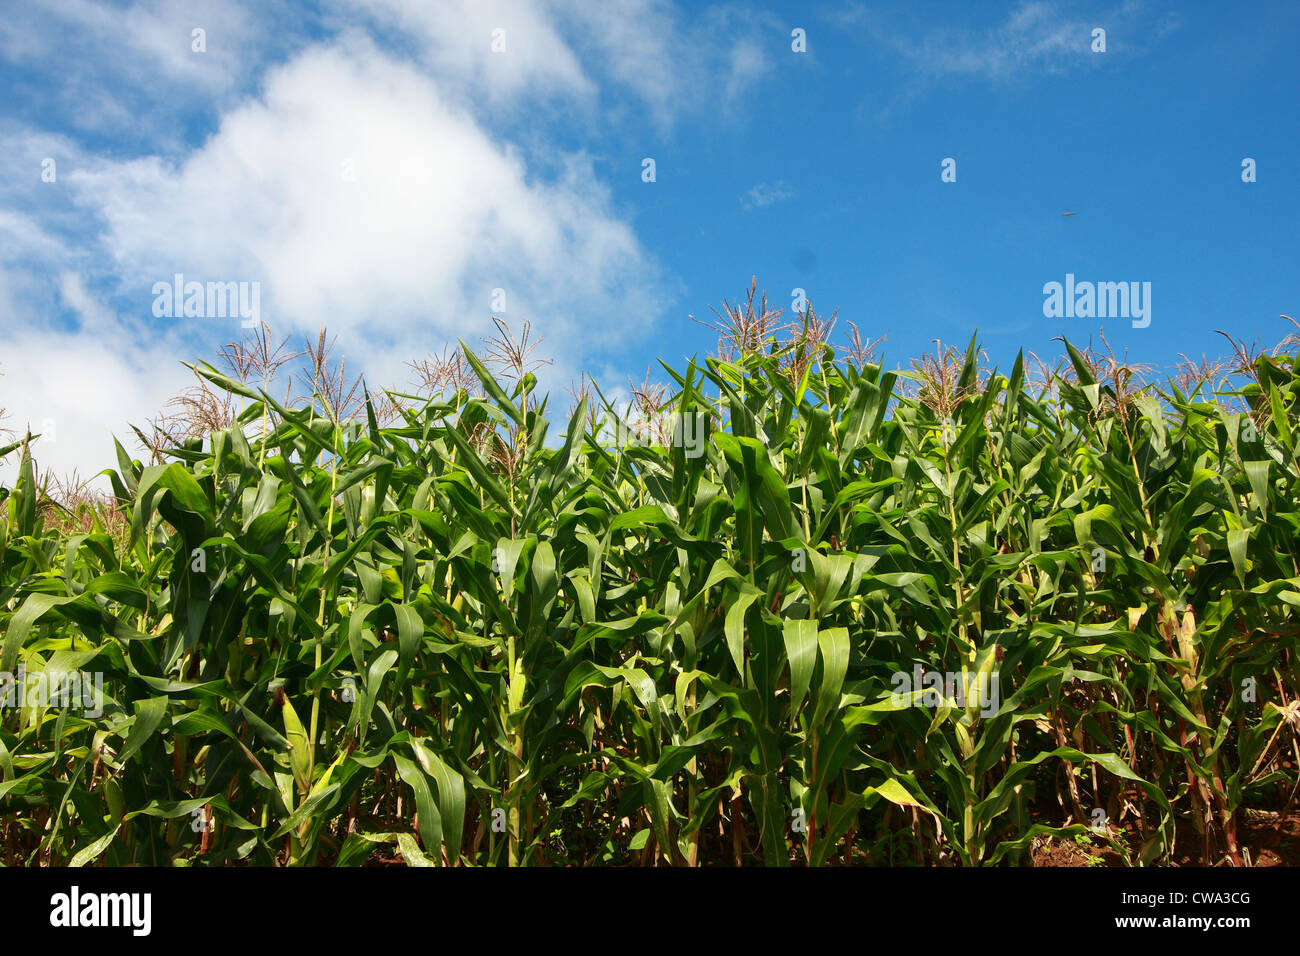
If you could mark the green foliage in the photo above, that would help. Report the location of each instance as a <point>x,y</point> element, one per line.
<point>444,642</point>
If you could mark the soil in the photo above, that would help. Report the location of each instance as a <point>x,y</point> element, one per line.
<point>1269,838</point>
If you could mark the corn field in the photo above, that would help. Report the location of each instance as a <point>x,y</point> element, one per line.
<point>433,637</point>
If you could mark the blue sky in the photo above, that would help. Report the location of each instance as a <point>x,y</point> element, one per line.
<point>378,167</point>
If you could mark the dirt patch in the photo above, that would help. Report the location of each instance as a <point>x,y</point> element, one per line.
<point>1268,838</point>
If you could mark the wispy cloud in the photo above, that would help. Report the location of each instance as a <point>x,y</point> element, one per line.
<point>139,74</point>
<point>1035,37</point>
<point>581,53</point>
<point>765,194</point>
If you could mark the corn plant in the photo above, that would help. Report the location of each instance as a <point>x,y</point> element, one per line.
<point>359,630</point>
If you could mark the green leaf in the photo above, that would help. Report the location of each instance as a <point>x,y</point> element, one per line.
<point>801,650</point>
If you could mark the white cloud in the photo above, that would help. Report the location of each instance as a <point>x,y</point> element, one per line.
<point>640,45</point>
<point>1037,36</point>
<point>438,213</point>
<point>400,260</point>
<point>765,194</point>
<point>397,259</point>
<point>746,63</point>
<point>562,48</point>
<point>22,231</point>
<point>80,387</point>
<point>669,61</point>
<point>129,70</point>
<point>455,42</point>
<point>1034,36</point>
